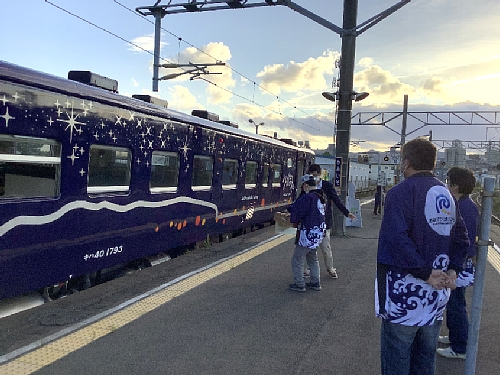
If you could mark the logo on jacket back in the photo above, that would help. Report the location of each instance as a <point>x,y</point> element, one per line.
<point>440,210</point>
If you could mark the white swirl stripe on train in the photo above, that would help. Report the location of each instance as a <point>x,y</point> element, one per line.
<point>41,220</point>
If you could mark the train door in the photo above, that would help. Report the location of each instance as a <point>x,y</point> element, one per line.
<point>276,180</point>
<point>230,181</point>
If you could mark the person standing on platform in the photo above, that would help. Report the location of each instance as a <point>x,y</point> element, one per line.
<point>308,211</point>
<point>331,196</point>
<point>422,246</point>
<point>378,200</point>
<point>461,182</point>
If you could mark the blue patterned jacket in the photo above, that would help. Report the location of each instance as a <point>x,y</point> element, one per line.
<point>309,212</point>
<point>422,230</point>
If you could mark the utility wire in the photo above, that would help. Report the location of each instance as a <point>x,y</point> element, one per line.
<point>166,60</point>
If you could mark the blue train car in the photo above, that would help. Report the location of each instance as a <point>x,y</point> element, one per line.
<point>90,179</point>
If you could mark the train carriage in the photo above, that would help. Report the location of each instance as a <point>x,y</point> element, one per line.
<point>90,179</point>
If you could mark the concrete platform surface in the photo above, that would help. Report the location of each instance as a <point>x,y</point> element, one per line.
<point>227,310</point>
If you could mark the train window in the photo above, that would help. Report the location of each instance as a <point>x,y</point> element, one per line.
<point>276,175</point>
<point>203,167</point>
<point>251,174</point>
<point>29,167</point>
<point>229,173</point>
<point>164,172</point>
<point>265,175</point>
<point>109,170</point>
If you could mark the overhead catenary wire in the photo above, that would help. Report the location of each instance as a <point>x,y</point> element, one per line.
<point>232,69</point>
<point>180,39</point>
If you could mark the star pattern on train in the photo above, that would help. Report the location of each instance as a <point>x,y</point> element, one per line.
<point>7,117</point>
<point>72,123</point>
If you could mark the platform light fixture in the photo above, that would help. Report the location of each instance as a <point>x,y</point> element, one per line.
<point>334,96</point>
<point>256,125</point>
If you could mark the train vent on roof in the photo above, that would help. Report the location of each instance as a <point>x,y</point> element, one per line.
<point>288,141</point>
<point>229,123</point>
<point>151,99</point>
<point>205,114</point>
<point>93,79</point>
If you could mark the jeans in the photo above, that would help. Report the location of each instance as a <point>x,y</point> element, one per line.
<point>311,257</point>
<point>408,350</point>
<point>457,321</point>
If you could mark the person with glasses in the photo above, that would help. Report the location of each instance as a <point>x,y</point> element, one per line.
<point>461,183</point>
<point>422,246</point>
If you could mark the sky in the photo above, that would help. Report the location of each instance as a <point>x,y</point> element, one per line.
<point>443,54</point>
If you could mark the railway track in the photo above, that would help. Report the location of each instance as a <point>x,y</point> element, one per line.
<point>495,217</point>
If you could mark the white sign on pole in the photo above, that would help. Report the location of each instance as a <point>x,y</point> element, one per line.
<point>381,181</point>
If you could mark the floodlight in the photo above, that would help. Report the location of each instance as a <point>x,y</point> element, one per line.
<point>331,96</point>
<point>360,96</point>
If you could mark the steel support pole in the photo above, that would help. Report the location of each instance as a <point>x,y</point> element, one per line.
<point>479,277</point>
<point>348,54</point>
<point>158,13</point>
<point>403,133</point>
<point>405,120</point>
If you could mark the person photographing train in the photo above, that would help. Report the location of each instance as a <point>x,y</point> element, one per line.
<point>308,212</point>
<point>331,196</point>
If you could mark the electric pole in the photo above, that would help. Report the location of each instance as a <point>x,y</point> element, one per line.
<point>348,55</point>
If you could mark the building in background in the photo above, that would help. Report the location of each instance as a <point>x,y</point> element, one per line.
<point>455,155</point>
<point>386,162</point>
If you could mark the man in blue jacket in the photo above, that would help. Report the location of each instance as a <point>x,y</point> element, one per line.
<point>422,246</point>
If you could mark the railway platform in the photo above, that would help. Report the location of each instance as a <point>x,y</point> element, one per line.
<point>226,309</point>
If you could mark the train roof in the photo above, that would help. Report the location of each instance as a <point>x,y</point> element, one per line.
<point>18,74</point>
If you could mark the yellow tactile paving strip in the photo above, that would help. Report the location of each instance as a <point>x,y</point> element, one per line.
<point>41,357</point>
<point>494,258</point>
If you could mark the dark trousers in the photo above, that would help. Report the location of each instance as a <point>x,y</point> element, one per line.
<point>457,321</point>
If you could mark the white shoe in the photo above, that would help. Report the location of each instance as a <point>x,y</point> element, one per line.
<point>444,340</point>
<point>449,353</point>
<point>333,273</point>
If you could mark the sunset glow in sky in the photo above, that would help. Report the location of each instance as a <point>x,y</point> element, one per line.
<point>444,54</point>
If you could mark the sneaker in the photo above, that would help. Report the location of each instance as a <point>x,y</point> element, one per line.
<point>444,340</point>
<point>333,273</point>
<point>297,288</point>
<point>450,353</point>
<point>313,286</point>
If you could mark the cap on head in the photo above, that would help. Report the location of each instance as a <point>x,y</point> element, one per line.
<point>308,179</point>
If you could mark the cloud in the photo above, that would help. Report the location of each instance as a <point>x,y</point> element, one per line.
<point>366,62</point>
<point>145,43</point>
<point>135,83</point>
<point>181,99</point>
<point>308,75</point>
<point>244,111</point>
<point>433,85</point>
<point>383,87</point>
